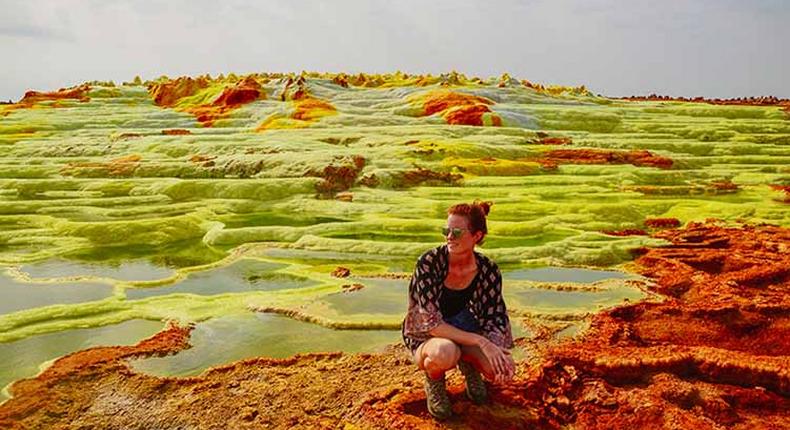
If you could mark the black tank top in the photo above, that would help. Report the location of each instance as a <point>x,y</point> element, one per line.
<point>453,301</point>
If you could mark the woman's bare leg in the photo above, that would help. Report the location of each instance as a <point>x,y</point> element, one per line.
<point>474,355</point>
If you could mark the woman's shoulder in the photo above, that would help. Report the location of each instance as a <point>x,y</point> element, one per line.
<point>488,271</point>
<point>434,255</point>
<point>486,262</point>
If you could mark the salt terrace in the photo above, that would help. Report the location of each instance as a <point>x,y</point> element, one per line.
<point>213,200</point>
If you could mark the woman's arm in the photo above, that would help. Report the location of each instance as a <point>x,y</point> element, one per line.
<point>423,314</point>
<point>457,335</point>
<point>496,324</point>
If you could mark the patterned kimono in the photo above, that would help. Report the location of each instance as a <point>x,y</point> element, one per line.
<point>425,290</point>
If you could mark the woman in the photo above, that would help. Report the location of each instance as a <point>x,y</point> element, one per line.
<point>456,314</point>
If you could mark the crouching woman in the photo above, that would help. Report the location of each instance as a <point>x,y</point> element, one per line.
<point>457,315</point>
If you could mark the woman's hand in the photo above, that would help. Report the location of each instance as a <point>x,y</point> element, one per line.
<point>511,367</point>
<point>501,361</point>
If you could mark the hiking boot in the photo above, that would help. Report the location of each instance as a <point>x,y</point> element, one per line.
<point>436,396</point>
<point>475,386</point>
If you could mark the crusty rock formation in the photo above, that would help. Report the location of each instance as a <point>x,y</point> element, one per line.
<point>600,156</point>
<point>459,108</point>
<point>170,94</point>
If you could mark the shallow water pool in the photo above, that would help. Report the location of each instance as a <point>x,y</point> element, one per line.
<point>390,297</point>
<point>139,270</point>
<point>22,358</point>
<point>242,276</point>
<point>548,300</point>
<point>235,337</point>
<point>17,296</point>
<point>227,339</point>
<point>380,296</point>
<point>563,274</point>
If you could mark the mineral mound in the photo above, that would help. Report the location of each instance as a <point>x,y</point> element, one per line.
<point>184,94</point>
<point>77,93</point>
<point>460,109</point>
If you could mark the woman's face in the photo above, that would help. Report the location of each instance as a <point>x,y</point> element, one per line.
<point>466,242</point>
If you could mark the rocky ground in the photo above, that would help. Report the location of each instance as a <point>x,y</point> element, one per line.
<point>713,354</point>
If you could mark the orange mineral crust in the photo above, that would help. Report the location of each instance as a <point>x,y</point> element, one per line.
<point>306,110</point>
<point>167,94</point>
<point>77,93</point>
<point>625,232</point>
<point>294,89</point>
<point>554,141</point>
<point>176,132</point>
<point>711,351</point>
<point>310,109</point>
<point>662,222</point>
<point>172,94</point>
<point>35,98</point>
<point>601,156</point>
<point>785,189</point>
<point>715,353</point>
<point>338,176</point>
<point>35,395</point>
<point>245,91</point>
<point>459,108</point>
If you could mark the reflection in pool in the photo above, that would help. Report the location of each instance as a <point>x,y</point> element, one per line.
<point>389,297</point>
<point>226,339</point>
<point>16,296</point>
<point>235,337</point>
<point>22,358</point>
<point>539,299</point>
<point>536,299</point>
<point>139,270</point>
<point>314,257</point>
<point>231,337</point>
<point>563,274</point>
<point>380,296</point>
<point>242,276</point>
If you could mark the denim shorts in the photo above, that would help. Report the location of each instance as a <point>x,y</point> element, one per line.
<point>464,320</point>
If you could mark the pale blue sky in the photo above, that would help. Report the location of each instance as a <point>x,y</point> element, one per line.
<point>714,48</point>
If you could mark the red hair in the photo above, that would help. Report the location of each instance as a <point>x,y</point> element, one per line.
<point>476,214</point>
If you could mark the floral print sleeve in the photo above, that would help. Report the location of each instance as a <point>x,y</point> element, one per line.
<point>493,312</point>
<point>423,314</point>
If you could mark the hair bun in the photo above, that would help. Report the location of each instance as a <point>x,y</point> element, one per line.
<point>484,205</point>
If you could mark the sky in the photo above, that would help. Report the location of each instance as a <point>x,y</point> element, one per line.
<point>711,48</point>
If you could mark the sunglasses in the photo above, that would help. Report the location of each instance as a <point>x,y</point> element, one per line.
<point>457,232</point>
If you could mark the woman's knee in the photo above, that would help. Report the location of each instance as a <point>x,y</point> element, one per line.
<point>441,354</point>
